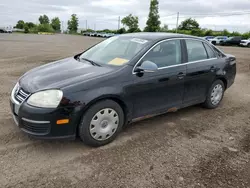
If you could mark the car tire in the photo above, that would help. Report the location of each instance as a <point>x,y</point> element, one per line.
<point>248,45</point>
<point>215,95</point>
<point>101,123</point>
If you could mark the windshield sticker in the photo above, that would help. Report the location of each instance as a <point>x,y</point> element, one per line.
<point>140,41</point>
<point>118,61</point>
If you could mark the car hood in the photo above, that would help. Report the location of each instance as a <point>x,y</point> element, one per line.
<point>60,74</point>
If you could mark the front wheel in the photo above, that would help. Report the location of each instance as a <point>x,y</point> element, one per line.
<point>215,95</point>
<point>101,123</point>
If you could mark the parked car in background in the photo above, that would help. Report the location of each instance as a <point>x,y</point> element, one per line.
<point>94,34</point>
<point>231,41</point>
<point>86,34</point>
<point>218,40</point>
<point>123,79</point>
<point>208,37</point>
<point>7,29</point>
<point>245,43</point>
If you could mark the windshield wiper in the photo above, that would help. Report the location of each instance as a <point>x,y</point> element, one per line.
<point>92,62</point>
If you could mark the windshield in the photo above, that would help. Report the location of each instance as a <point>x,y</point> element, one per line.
<point>230,38</point>
<point>116,50</point>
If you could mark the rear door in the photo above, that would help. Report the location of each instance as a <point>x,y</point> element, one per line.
<point>201,70</point>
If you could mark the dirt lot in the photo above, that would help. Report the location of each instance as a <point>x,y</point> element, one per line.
<point>193,147</point>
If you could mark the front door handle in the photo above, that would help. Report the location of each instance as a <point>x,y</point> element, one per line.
<point>181,75</point>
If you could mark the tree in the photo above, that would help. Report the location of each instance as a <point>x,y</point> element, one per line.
<point>30,25</point>
<point>45,28</point>
<point>73,23</point>
<point>153,23</point>
<point>20,24</point>
<point>164,28</point>
<point>208,32</point>
<point>56,24</point>
<point>44,19</point>
<point>189,24</point>
<point>121,31</point>
<point>132,22</point>
<point>26,28</point>
<point>225,32</point>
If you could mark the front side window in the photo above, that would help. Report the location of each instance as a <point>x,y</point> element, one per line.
<point>165,54</point>
<point>115,50</point>
<point>195,50</point>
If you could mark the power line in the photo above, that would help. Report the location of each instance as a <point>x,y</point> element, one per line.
<point>220,13</point>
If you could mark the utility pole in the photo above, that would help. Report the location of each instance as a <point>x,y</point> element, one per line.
<point>94,27</point>
<point>177,22</point>
<point>86,25</point>
<point>62,27</point>
<point>119,22</point>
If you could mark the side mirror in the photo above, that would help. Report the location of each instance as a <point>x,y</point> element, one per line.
<point>147,66</point>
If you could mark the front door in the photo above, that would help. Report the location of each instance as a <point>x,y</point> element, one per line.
<point>158,91</point>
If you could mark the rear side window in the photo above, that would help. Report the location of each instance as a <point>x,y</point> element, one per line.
<point>195,50</point>
<point>218,52</point>
<point>210,52</point>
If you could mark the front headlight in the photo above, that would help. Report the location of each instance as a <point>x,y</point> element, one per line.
<point>46,99</point>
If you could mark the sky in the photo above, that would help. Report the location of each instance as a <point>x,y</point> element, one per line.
<point>102,14</point>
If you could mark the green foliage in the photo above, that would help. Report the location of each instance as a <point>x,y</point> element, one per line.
<point>208,32</point>
<point>44,19</point>
<point>26,28</point>
<point>30,25</point>
<point>134,30</point>
<point>56,24</point>
<point>45,28</point>
<point>246,35</point>
<point>121,31</point>
<point>153,23</point>
<point>189,24</point>
<point>20,24</point>
<point>235,33</point>
<point>164,28</point>
<point>225,33</point>
<point>73,24</point>
<point>132,22</point>
<point>197,32</point>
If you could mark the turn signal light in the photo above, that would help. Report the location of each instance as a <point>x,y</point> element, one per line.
<point>62,121</point>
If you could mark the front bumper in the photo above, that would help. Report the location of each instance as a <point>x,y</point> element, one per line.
<point>41,122</point>
<point>243,44</point>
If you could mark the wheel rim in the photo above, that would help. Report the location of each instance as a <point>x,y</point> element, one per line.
<point>104,124</point>
<point>217,94</point>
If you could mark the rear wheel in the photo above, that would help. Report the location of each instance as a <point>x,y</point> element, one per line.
<point>248,45</point>
<point>215,95</point>
<point>101,123</point>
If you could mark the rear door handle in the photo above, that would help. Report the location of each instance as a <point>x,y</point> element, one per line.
<point>181,75</point>
<point>213,69</point>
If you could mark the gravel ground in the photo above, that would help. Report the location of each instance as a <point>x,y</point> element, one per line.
<point>193,147</point>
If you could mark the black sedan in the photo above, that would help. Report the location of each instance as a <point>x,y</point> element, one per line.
<point>120,80</point>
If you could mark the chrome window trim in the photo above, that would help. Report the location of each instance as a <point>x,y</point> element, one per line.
<point>201,40</point>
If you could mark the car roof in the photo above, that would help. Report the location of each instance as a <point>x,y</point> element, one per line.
<point>155,36</point>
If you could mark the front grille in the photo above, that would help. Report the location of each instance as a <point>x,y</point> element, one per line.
<point>21,95</point>
<point>35,128</point>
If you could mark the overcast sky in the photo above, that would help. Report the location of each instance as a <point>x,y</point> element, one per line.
<point>105,13</point>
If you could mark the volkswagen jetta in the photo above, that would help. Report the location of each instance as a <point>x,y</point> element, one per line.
<point>122,79</point>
